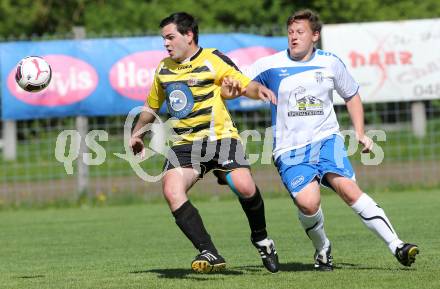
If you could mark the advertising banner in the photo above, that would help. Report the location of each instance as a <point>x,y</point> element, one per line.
<point>392,61</point>
<point>109,76</point>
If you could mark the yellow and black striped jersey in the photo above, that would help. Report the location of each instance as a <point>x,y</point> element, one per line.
<point>203,74</point>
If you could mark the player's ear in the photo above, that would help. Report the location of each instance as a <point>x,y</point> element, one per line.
<point>315,36</point>
<point>189,37</point>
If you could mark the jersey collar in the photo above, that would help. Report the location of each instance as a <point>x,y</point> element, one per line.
<point>311,56</point>
<point>194,56</point>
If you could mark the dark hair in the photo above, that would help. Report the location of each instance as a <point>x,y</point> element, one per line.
<point>306,14</point>
<point>184,23</point>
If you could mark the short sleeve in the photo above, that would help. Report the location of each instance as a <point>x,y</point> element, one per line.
<point>156,96</point>
<point>345,84</point>
<point>226,67</point>
<point>254,72</point>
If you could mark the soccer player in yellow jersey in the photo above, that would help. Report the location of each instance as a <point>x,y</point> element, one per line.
<point>189,81</point>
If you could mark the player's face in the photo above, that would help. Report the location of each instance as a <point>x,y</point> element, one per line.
<point>177,45</point>
<point>301,40</point>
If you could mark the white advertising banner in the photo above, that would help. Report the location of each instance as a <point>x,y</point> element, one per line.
<point>392,61</point>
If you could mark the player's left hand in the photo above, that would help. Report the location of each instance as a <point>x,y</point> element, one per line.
<point>231,88</point>
<point>366,142</point>
<point>266,94</point>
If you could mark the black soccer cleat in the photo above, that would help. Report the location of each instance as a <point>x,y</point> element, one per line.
<point>268,254</point>
<point>207,262</point>
<point>406,254</point>
<point>324,259</point>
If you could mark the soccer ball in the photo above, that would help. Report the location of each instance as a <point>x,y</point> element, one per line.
<point>33,73</point>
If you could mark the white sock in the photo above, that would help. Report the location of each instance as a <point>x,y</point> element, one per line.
<point>314,226</point>
<point>375,219</point>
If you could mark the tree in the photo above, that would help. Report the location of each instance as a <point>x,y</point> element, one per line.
<point>39,17</point>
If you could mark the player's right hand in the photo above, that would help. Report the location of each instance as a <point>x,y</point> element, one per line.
<point>137,145</point>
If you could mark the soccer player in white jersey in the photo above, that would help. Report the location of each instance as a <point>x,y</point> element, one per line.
<point>308,147</point>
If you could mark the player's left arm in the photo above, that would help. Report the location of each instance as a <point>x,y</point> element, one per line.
<point>256,90</point>
<point>348,89</point>
<point>234,83</point>
<point>231,88</point>
<point>356,111</point>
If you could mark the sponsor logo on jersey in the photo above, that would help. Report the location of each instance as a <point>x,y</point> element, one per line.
<point>177,100</point>
<point>304,113</point>
<point>309,102</point>
<point>184,67</point>
<point>319,77</point>
<point>283,72</point>
<point>192,81</point>
<point>301,104</point>
<point>180,100</point>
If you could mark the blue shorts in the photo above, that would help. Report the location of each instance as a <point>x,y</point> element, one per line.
<point>301,166</point>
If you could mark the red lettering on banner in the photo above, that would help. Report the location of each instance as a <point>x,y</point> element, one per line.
<point>380,59</point>
<point>390,58</point>
<point>132,75</point>
<point>405,57</point>
<point>374,59</point>
<point>355,57</point>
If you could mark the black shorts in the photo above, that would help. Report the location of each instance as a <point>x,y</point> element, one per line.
<point>225,155</point>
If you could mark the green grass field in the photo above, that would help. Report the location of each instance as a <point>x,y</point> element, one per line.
<point>139,246</point>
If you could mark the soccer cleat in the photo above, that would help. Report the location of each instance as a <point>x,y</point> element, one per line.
<point>406,254</point>
<point>268,254</point>
<point>207,262</point>
<point>324,259</point>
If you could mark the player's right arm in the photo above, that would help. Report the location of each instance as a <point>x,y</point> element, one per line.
<point>148,115</point>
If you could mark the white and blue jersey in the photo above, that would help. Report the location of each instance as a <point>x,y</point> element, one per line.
<point>307,141</point>
<point>304,112</point>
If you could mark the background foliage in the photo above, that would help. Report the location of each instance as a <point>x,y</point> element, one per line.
<point>25,18</point>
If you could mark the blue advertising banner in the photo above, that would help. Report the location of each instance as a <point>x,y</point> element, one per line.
<point>109,76</point>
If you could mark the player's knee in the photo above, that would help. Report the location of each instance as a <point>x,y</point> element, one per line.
<point>245,189</point>
<point>170,192</point>
<point>308,207</point>
<point>175,198</point>
<point>247,192</point>
<point>309,210</point>
<point>242,185</point>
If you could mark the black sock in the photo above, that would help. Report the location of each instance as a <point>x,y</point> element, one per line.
<point>189,221</point>
<point>254,209</point>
